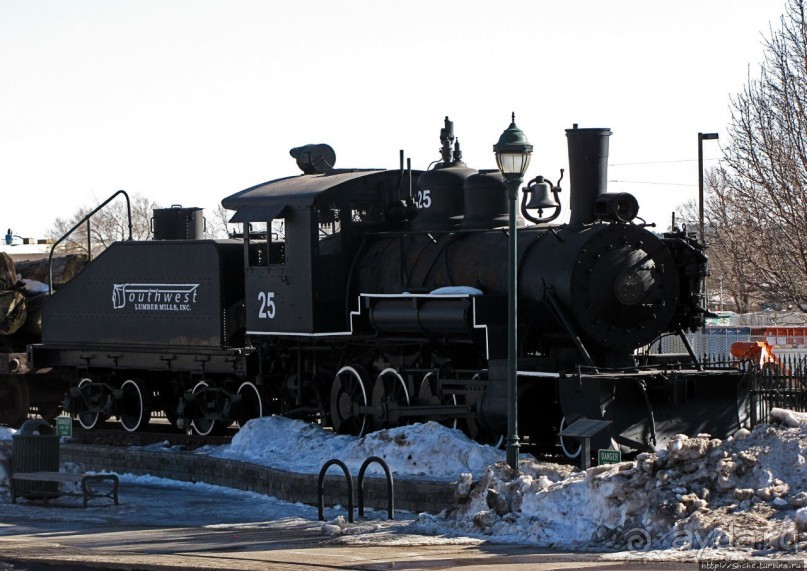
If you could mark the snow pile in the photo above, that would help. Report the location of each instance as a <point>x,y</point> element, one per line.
<point>5,455</point>
<point>428,451</point>
<point>32,286</point>
<point>339,526</point>
<point>749,491</point>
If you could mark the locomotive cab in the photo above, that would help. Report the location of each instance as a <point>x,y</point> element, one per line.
<point>297,269</point>
<point>285,276</point>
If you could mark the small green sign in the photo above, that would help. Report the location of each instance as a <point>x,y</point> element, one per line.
<point>64,426</point>
<point>609,457</point>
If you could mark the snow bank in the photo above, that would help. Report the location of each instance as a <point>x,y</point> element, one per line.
<point>789,418</point>
<point>32,286</point>
<point>748,492</point>
<point>428,451</point>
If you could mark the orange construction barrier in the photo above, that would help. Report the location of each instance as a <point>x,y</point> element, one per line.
<point>760,352</point>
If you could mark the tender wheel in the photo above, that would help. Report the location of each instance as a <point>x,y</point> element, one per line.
<point>389,388</point>
<point>91,396</point>
<point>428,394</point>
<point>251,405</point>
<point>571,448</point>
<point>348,390</point>
<point>206,405</point>
<point>134,412</point>
<point>14,400</point>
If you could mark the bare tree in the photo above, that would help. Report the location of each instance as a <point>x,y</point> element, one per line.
<point>108,225</point>
<point>726,275</point>
<point>758,205</point>
<point>732,248</point>
<point>217,225</point>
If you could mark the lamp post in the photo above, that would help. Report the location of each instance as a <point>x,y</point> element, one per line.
<point>513,153</point>
<point>702,137</point>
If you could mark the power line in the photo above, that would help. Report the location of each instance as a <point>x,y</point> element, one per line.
<point>659,162</point>
<point>648,182</point>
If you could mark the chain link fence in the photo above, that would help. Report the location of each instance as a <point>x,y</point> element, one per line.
<point>718,340</point>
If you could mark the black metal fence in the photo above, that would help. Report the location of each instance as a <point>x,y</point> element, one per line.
<point>781,384</point>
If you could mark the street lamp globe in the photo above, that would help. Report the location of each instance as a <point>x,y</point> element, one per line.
<point>513,151</point>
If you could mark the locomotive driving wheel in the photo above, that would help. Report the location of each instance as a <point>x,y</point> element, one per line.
<point>389,389</point>
<point>348,392</point>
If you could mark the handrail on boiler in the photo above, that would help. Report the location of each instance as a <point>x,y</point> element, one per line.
<point>89,242</point>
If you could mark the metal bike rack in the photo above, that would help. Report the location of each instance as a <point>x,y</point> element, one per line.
<point>390,492</point>
<point>362,470</point>
<point>320,491</point>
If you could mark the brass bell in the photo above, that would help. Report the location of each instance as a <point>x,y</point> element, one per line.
<point>540,195</point>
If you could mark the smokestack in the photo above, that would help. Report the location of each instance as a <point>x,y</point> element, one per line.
<point>588,171</point>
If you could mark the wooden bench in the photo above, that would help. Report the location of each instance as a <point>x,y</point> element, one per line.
<point>87,481</point>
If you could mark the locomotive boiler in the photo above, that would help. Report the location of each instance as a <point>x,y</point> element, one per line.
<point>370,298</point>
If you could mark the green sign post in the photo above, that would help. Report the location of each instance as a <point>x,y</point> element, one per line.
<point>609,457</point>
<point>64,426</point>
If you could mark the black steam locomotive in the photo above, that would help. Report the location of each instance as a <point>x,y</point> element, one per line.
<point>365,298</point>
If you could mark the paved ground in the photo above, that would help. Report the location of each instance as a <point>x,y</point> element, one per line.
<point>164,528</point>
<point>279,546</point>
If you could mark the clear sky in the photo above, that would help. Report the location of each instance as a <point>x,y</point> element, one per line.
<point>189,101</point>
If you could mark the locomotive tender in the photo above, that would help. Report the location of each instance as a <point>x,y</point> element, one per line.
<point>369,298</point>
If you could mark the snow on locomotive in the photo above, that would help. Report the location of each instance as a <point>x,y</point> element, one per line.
<point>368,298</point>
